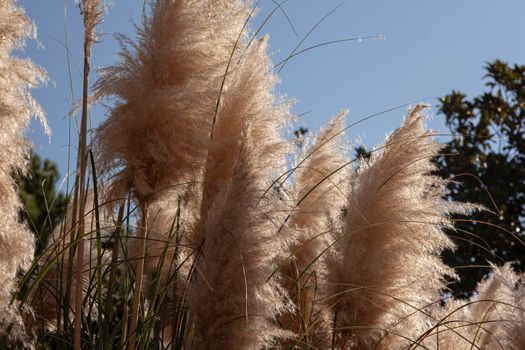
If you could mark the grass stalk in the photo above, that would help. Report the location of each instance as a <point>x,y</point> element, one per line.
<point>139,271</point>
<point>91,15</point>
<point>113,265</point>
<point>81,204</point>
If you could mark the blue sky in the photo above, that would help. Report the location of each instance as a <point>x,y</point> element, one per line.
<point>429,48</point>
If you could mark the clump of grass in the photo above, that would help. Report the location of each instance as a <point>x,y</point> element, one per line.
<point>203,238</point>
<point>47,294</point>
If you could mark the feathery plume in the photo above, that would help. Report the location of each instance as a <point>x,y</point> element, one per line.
<point>246,96</point>
<point>492,319</point>
<point>166,88</point>
<point>17,106</point>
<point>92,12</point>
<point>233,298</point>
<point>233,304</point>
<point>319,189</point>
<point>390,269</point>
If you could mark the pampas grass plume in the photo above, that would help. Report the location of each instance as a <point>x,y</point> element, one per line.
<point>92,11</point>
<point>165,89</point>
<point>17,76</point>
<point>319,189</point>
<point>233,303</point>
<point>494,318</point>
<point>390,269</point>
<point>234,300</point>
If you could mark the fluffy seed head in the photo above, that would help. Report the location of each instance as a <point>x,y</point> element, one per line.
<point>234,300</point>
<point>17,106</point>
<point>494,318</point>
<point>390,270</point>
<point>319,189</point>
<point>165,91</point>
<point>234,305</point>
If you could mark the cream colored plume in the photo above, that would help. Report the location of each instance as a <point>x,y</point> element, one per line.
<point>234,298</point>
<point>319,188</point>
<point>17,106</point>
<point>493,319</point>
<point>247,98</point>
<point>92,11</point>
<point>165,90</point>
<point>173,89</point>
<point>390,270</point>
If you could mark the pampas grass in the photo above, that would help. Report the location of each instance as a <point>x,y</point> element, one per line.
<point>165,90</point>
<point>218,242</point>
<point>166,97</point>
<point>492,319</point>
<point>17,106</point>
<point>319,190</point>
<point>92,12</point>
<point>389,269</point>
<point>234,304</point>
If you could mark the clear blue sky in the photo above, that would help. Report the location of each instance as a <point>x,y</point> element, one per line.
<point>430,48</point>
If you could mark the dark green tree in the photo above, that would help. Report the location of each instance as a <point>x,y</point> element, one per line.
<point>362,153</point>
<point>43,205</point>
<point>486,160</point>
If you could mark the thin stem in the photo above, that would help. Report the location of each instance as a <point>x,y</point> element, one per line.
<point>81,205</point>
<point>139,270</point>
<point>81,172</point>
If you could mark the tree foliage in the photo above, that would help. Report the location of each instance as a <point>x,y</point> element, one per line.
<point>44,206</point>
<point>487,158</point>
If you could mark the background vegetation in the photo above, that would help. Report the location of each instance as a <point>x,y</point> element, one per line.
<point>486,158</point>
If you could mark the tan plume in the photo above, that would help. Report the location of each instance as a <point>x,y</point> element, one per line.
<point>17,106</point>
<point>235,299</point>
<point>320,188</point>
<point>390,271</point>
